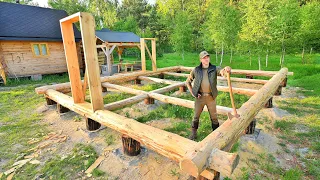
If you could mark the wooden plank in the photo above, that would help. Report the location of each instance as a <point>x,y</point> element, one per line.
<point>87,26</point>
<point>165,143</point>
<point>196,159</point>
<point>243,72</point>
<point>143,55</point>
<point>72,61</point>
<point>72,18</point>
<point>154,55</point>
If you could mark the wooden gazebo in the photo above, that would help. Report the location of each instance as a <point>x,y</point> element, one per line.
<point>108,40</point>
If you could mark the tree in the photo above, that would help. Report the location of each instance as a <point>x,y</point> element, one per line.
<point>285,24</point>
<point>181,38</point>
<point>309,32</point>
<point>255,25</point>
<point>223,25</point>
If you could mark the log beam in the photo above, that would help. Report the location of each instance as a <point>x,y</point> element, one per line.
<point>196,159</point>
<point>256,81</point>
<point>249,92</point>
<point>243,72</point>
<point>65,87</point>
<point>165,143</point>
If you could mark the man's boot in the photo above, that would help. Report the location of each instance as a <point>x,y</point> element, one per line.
<point>193,135</point>
<point>214,126</point>
<point>195,125</point>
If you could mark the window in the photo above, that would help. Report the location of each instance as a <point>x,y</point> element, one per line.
<point>39,49</point>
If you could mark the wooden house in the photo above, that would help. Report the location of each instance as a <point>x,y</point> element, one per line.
<point>31,41</point>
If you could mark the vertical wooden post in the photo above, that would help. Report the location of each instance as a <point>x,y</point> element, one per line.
<point>92,125</point>
<point>249,76</point>
<point>109,63</point>
<point>278,91</point>
<point>87,26</point>
<point>182,89</point>
<point>72,60</point>
<point>161,76</point>
<point>250,129</point>
<point>154,55</point>
<point>149,101</point>
<point>61,109</point>
<point>284,82</point>
<point>50,101</point>
<point>143,55</point>
<point>137,81</point>
<point>269,103</point>
<point>130,146</point>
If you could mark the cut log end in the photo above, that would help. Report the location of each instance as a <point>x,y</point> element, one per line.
<point>130,146</point>
<point>92,125</point>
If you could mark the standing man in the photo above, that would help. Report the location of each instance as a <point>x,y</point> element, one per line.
<point>205,90</point>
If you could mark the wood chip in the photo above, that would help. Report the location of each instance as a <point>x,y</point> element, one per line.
<point>34,162</point>
<point>95,164</point>
<point>10,176</point>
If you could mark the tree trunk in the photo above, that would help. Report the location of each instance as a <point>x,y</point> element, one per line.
<point>231,56</point>
<point>310,51</point>
<point>250,57</point>
<point>130,146</point>
<point>302,55</point>
<point>221,55</point>
<point>259,60</point>
<point>182,55</point>
<point>267,56</point>
<point>283,54</point>
<point>216,56</point>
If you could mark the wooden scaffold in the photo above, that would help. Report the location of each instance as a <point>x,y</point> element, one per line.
<point>196,158</point>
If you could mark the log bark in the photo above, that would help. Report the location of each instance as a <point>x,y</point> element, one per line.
<point>165,143</point>
<point>196,159</point>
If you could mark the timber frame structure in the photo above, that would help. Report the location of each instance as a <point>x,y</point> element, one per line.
<point>196,158</point>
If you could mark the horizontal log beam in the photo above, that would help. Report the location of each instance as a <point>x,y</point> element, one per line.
<point>244,72</point>
<point>65,87</point>
<point>157,94</point>
<point>196,159</point>
<point>249,92</point>
<point>165,143</point>
<point>244,80</point>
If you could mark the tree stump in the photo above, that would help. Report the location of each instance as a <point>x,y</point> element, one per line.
<point>182,89</point>
<point>104,89</point>
<point>252,126</point>
<point>161,76</point>
<point>278,91</point>
<point>137,81</point>
<point>50,101</point>
<point>149,101</point>
<point>284,82</point>
<point>130,146</point>
<point>249,76</point>
<point>92,125</point>
<point>269,103</point>
<point>61,109</point>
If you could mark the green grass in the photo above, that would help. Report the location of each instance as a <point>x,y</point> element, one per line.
<point>68,167</point>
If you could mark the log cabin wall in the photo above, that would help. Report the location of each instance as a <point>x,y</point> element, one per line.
<point>20,60</point>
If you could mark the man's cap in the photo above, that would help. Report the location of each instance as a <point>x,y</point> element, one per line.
<point>203,54</point>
